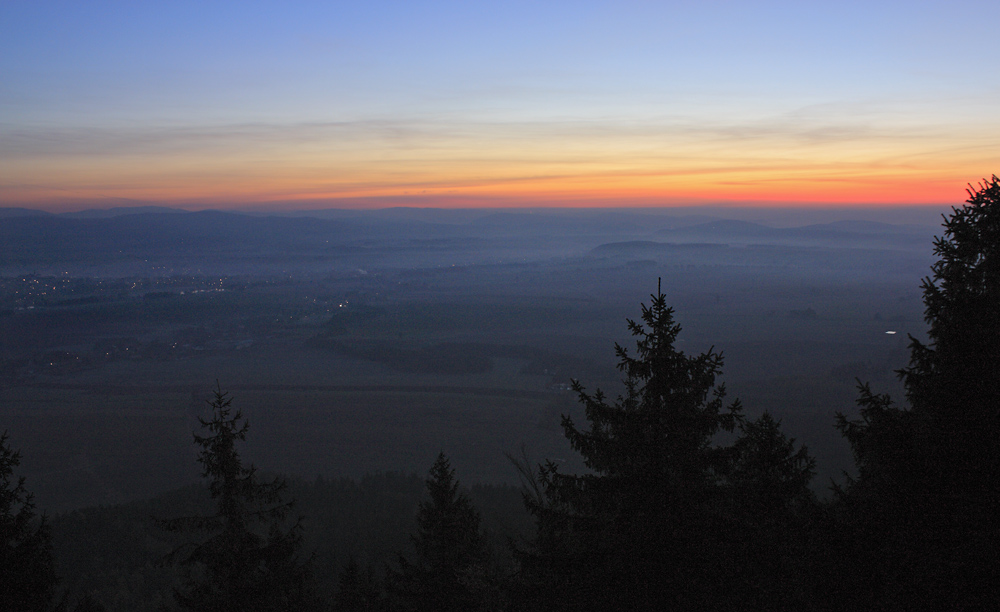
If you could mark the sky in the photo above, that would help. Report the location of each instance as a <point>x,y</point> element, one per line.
<point>303,105</point>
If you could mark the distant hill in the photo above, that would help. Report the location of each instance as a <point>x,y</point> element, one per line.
<point>50,237</point>
<point>7,213</point>
<point>847,233</point>
<point>135,242</point>
<point>140,240</point>
<point>106,213</point>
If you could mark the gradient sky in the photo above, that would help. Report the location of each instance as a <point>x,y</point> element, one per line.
<point>332,104</point>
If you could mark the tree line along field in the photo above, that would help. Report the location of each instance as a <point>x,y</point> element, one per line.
<point>117,552</point>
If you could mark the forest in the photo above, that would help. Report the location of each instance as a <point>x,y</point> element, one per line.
<point>673,496</point>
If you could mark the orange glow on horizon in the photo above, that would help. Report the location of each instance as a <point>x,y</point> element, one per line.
<point>443,164</point>
<point>496,174</point>
<point>608,190</point>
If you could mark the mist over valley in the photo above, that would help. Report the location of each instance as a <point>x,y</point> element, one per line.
<point>358,342</point>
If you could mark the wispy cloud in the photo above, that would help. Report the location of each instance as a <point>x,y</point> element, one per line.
<point>666,155</point>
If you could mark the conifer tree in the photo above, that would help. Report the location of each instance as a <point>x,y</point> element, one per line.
<point>773,513</point>
<point>769,473</point>
<point>641,530</point>
<point>446,572</point>
<point>248,561</point>
<point>927,494</point>
<point>358,590</point>
<point>953,383</point>
<point>27,574</point>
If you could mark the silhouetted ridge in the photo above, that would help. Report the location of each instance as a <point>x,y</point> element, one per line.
<point>867,234</point>
<point>120,211</point>
<point>634,246</point>
<point>9,213</point>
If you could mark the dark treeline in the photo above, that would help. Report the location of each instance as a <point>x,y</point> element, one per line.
<point>686,504</point>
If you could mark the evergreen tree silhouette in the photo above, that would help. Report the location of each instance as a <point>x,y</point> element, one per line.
<point>358,590</point>
<point>773,513</point>
<point>88,603</point>
<point>248,562</point>
<point>27,574</point>
<point>927,495</point>
<point>448,569</point>
<point>644,528</point>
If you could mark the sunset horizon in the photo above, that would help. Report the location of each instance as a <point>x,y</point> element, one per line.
<point>448,105</point>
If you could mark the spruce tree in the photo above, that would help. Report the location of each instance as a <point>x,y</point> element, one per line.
<point>358,590</point>
<point>926,498</point>
<point>953,383</point>
<point>27,574</point>
<point>448,569</point>
<point>248,561</point>
<point>643,529</point>
<point>772,515</point>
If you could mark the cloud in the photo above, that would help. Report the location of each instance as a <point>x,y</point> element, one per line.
<point>830,149</point>
<point>811,126</point>
<point>196,139</point>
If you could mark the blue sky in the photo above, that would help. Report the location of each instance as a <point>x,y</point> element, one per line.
<point>514,103</point>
